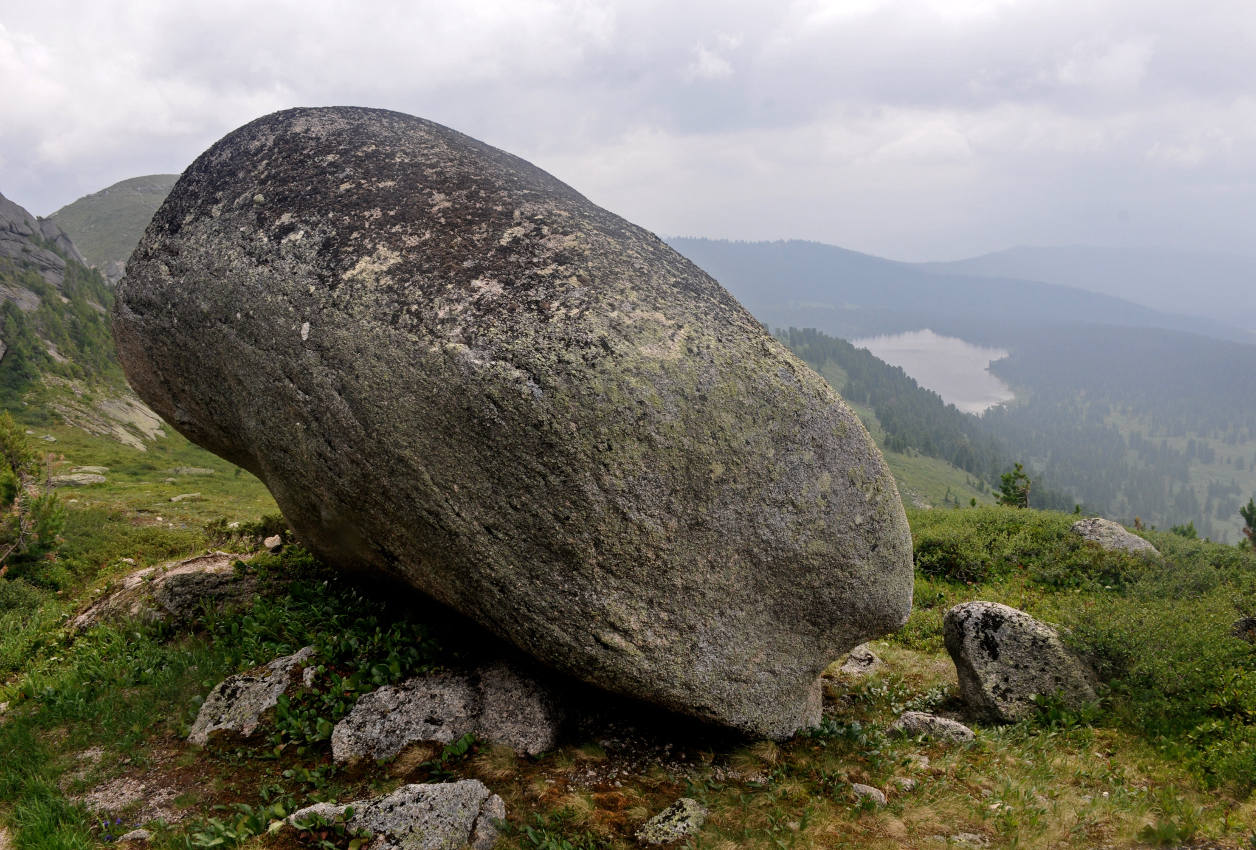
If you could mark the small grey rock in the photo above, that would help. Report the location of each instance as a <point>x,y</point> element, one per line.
<point>970,839</point>
<point>273,543</point>
<point>682,818</point>
<point>860,661</point>
<point>1004,657</point>
<point>137,835</point>
<point>1112,536</point>
<point>916,723</point>
<point>444,816</point>
<point>186,497</point>
<point>867,792</point>
<point>905,783</point>
<point>517,710</point>
<point>192,470</point>
<point>439,708</point>
<point>237,704</point>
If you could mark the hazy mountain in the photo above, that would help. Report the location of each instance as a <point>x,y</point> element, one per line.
<point>107,225</point>
<point>1124,409</point>
<point>849,294</point>
<point>1220,287</point>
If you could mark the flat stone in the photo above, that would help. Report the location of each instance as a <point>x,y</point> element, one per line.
<point>186,497</point>
<point>237,705</point>
<point>681,819</point>
<point>173,592</point>
<point>77,479</point>
<point>867,792</point>
<point>912,724</point>
<point>445,816</point>
<point>139,836</point>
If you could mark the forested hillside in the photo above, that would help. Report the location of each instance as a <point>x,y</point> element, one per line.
<point>1128,412</point>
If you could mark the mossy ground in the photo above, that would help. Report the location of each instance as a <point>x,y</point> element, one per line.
<point>92,741</point>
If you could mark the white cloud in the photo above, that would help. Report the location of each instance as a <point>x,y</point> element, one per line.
<point>895,125</point>
<point>708,65</point>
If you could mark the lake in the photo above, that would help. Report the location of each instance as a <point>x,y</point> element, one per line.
<point>954,369</point>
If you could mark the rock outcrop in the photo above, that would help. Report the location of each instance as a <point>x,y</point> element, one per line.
<point>238,704</point>
<point>450,367</point>
<point>448,816</point>
<point>20,236</point>
<point>1004,658</point>
<point>173,592</point>
<point>1112,536</point>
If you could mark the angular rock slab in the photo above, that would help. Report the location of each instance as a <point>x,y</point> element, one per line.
<point>450,367</point>
<point>447,816</point>
<point>1004,657</point>
<point>1112,536</point>
<point>497,703</point>
<point>238,703</point>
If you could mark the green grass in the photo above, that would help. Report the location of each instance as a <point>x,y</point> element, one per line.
<point>1168,757</point>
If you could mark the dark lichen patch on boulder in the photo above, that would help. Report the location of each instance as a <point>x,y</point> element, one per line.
<point>450,367</point>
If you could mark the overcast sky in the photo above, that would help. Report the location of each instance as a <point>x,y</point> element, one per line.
<point>914,129</point>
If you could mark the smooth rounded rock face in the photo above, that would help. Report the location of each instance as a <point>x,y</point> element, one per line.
<point>452,368</point>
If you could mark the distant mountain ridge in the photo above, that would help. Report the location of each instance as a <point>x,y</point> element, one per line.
<point>1220,287</point>
<point>849,294</point>
<point>107,225</point>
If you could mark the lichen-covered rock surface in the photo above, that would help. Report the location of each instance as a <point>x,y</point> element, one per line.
<point>450,367</point>
<point>678,821</point>
<point>448,816</point>
<point>1004,658</point>
<point>238,704</point>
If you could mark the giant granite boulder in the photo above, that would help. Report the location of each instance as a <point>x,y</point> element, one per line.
<point>452,368</point>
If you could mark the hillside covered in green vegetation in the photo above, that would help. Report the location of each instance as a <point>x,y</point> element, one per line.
<point>106,225</point>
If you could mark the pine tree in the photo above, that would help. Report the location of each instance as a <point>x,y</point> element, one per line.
<point>1014,488</point>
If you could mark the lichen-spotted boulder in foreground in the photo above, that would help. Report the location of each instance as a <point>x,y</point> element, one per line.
<point>452,368</point>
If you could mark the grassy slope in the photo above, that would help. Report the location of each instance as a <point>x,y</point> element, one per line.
<point>107,225</point>
<point>109,709</point>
